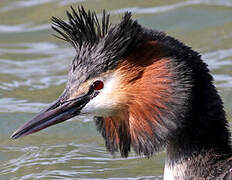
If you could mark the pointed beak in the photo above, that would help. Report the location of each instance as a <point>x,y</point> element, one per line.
<point>57,112</point>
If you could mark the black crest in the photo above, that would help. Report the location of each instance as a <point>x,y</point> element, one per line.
<point>81,27</point>
<point>99,46</point>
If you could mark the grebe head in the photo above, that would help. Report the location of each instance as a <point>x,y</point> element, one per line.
<point>139,84</point>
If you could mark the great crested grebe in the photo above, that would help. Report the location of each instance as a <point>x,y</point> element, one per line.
<point>146,90</point>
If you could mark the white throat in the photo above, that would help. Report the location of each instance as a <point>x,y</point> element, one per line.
<point>175,171</point>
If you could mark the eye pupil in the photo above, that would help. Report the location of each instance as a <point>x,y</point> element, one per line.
<point>98,85</point>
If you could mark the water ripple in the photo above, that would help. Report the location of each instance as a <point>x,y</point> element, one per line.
<point>35,73</point>
<point>86,156</point>
<point>31,3</point>
<point>65,2</point>
<point>38,47</point>
<point>220,59</point>
<point>23,28</point>
<point>160,9</point>
<point>214,59</point>
<point>16,105</point>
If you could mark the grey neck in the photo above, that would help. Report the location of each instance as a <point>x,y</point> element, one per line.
<point>203,164</point>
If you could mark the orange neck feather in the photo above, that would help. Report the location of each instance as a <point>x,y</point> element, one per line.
<point>146,85</point>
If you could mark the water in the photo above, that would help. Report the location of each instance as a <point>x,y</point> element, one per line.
<point>33,68</point>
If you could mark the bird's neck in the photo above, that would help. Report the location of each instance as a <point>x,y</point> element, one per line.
<point>196,155</point>
<point>204,165</point>
<point>203,139</point>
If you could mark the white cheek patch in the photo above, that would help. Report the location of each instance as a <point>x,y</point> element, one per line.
<point>103,104</point>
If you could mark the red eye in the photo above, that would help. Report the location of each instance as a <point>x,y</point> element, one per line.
<point>98,85</point>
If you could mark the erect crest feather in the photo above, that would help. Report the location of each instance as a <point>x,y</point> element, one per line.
<point>99,46</point>
<point>81,27</point>
<point>84,27</point>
